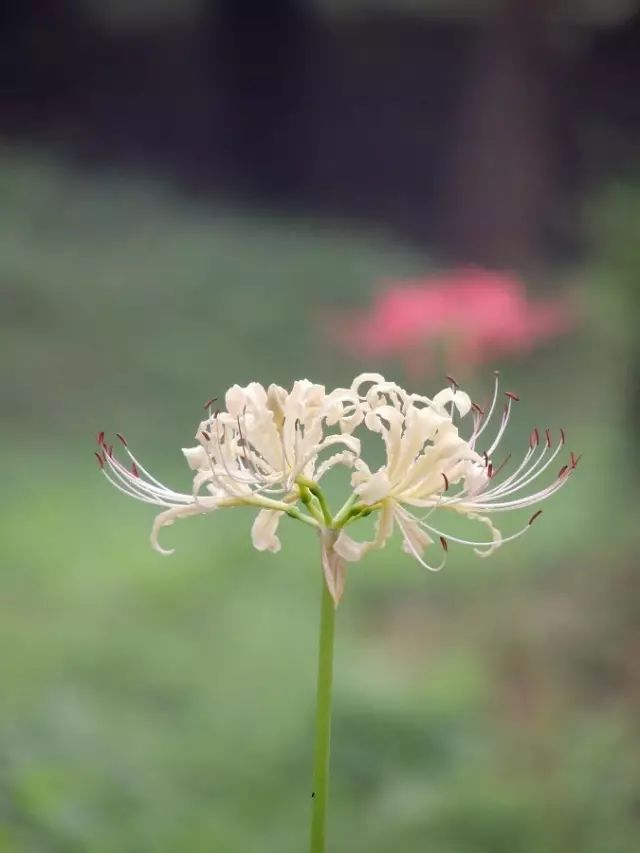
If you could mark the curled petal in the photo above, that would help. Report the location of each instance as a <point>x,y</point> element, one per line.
<point>166,519</point>
<point>496,536</point>
<point>196,457</point>
<point>263,531</point>
<point>345,457</point>
<point>460,400</point>
<point>352,551</point>
<point>349,441</point>
<point>343,407</point>
<point>375,488</point>
<point>366,379</point>
<point>201,478</point>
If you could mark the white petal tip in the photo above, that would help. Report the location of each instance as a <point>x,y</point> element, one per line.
<point>166,552</point>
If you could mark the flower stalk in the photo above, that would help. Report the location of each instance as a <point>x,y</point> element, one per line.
<point>322,750</point>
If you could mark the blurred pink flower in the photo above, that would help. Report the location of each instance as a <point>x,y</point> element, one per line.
<point>467,316</point>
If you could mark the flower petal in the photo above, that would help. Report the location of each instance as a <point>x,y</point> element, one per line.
<point>263,532</point>
<point>353,551</point>
<point>167,518</point>
<point>375,488</point>
<point>460,400</point>
<point>345,457</point>
<point>196,457</point>
<point>342,406</point>
<point>495,534</point>
<point>415,538</point>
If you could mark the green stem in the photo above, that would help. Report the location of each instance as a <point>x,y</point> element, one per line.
<point>343,513</point>
<point>323,724</point>
<point>318,494</point>
<point>311,503</point>
<point>267,503</point>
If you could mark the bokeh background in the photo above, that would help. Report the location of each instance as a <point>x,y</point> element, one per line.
<point>188,188</point>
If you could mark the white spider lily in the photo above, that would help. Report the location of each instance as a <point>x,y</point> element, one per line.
<point>270,442</point>
<point>430,466</point>
<point>263,450</point>
<point>267,440</point>
<point>268,449</point>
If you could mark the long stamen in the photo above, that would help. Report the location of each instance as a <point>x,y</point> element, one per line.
<point>519,503</point>
<point>484,424</point>
<point>138,488</point>
<point>515,474</point>
<point>137,462</point>
<point>529,476</point>
<point>482,543</point>
<point>503,424</point>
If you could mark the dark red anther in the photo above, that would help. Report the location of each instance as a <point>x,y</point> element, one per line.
<point>100,459</point>
<point>446,481</point>
<point>476,408</point>
<point>512,396</point>
<point>205,435</point>
<point>134,470</point>
<point>534,438</point>
<point>575,459</point>
<point>208,404</point>
<point>534,516</point>
<point>444,543</point>
<point>490,470</point>
<point>562,438</point>
<point>100,438</point>
<point>452,381</point>
<point>563,471</point>
<point>121,438</point>
<point>547,435</point>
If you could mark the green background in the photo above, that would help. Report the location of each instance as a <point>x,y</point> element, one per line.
<point>166,704</point>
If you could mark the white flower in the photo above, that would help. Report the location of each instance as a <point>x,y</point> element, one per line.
<point>263,450</point>
<point>430,466</point>
<point>266,449</point>
<point>267,440</point>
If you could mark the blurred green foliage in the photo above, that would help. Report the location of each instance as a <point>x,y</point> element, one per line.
<point>154,704</point>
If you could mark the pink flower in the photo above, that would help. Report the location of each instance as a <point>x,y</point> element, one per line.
<point>469,316</point>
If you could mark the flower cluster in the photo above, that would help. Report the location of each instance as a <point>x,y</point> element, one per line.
<point>270,448</point>
<point>469,316</point>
